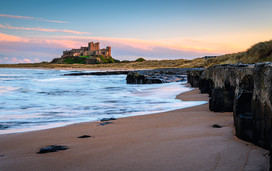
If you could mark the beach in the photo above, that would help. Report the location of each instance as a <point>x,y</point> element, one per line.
<point>182,139</point>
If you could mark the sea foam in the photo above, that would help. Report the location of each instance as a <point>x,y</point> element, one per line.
<point>38,99</point>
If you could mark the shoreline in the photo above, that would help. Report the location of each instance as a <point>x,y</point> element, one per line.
<point>63,124</point>
<point>183,139</point>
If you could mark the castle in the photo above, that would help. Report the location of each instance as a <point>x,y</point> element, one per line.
<point>92,50</point>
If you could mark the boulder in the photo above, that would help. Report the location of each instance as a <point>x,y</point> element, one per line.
<point>221,82</point>
<point>52,148</point>
<point>194,77</point>
<point>242,113</point>
<point>247,91</point>
<point>262,105</point>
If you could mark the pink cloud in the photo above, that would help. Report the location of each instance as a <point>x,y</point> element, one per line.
<point>122,48</point>
<point>34,18</point>
<point>10,38</point>
<point>41,29</point>
<point>16,60</point>
<point>148,45</point>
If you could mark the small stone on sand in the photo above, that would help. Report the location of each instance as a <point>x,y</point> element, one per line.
<point>105,123</point>
<point>52,148</point>
<point>84,136</point>
<point>216,126</point>
<point>107,119</point>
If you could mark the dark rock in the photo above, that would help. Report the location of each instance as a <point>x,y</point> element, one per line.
<point>206,85</point>
<point>247,91</point>
<point>270,152</point>
<point>194,77</point>
<point>141,77</point>
<point>52,148</point>
<point>262,105</point>
<point>243,126</point>
<point>199,78</point>
<point>216,126</point>
<point>85,136</point>
<point>242,114</point>
<point>107,119</point>
<point>2,155</point>
<point>165,75</point>
<point>105,123</point>
<point>3,127</point>
<point>220,82</point>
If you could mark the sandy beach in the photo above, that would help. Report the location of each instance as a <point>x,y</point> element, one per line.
<point>182,139</point>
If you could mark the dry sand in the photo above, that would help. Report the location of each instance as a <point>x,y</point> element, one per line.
<point>183,139</point>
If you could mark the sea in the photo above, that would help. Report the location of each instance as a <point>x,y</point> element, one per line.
<point>35,99</point>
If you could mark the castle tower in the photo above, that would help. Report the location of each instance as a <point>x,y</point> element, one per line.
<point>90,46</point>
<point>109,50</point>
<point>93,46</point>
<point>96,46</point>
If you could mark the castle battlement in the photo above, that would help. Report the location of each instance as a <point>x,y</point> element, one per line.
<point>92,50</point>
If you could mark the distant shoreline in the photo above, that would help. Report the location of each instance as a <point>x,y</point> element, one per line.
<point>150,64</point>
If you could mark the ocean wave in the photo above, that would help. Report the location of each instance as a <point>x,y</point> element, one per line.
<point>46,99</point>
<point>50,79</point>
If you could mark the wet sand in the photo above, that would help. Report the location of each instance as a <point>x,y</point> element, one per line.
<point>182,139</point>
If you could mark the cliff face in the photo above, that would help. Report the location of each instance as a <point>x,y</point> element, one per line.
<point>194,77</point>
<point>262,105</point>
<point>225,80</point>
<point>221,82</point>
<point>245,90</point>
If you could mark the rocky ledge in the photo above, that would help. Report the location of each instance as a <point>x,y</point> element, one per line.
<point>165,75</point>
<point>245,90</point>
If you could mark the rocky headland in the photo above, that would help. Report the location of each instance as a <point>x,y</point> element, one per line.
<point>245,90</point>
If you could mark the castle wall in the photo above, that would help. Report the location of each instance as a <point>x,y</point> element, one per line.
<point>93,46</point>
<point>91,50</point>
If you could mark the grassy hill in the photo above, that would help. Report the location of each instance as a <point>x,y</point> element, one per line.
<point>260,52</point>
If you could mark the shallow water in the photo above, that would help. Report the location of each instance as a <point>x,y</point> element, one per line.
<point>33,99</point>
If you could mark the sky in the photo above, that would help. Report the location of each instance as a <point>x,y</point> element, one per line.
<point>36,31</point>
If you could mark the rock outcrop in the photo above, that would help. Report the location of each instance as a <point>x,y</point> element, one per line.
<point>220,82</point>
<point>193,77</point>
<point>262,105</point>
<point>165,75</point>
<point>245,90</point>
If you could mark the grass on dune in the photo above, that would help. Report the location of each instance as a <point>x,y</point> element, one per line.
<point>260,52</point>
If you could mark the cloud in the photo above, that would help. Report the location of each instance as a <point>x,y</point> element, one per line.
<point>33,18</point>
<point>49,47</point>
<point>149,45</point>
<point>10,38</point>
<point>41,29</point>
<point>10,60</point>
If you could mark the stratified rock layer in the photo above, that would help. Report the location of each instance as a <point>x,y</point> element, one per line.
<point>245,90</point>
<point>262,105</point>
